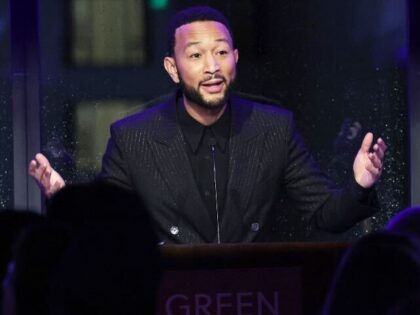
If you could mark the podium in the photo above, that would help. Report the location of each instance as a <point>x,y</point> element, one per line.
<point>247,279</point>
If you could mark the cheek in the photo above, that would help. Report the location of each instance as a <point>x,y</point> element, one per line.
<point>190,74</point>
<point>230,65</point>
<point>231,70</point>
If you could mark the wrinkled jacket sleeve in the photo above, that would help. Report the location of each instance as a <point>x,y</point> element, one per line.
<point>114,167</point>
<point>327,207</point>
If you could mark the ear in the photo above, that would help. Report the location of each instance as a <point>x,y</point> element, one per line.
<point>236,52</point>
<point>170,67</point>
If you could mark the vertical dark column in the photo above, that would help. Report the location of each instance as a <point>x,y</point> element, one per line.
<point>414,99</point>
<point>26,98</point>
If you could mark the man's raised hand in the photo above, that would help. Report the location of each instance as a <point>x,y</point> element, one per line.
<point>45,176</point>
<point>368,164</point>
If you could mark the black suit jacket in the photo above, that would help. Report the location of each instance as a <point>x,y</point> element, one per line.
<point>146,153</point>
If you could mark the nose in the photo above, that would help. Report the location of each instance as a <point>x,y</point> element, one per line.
<point>211,64</point>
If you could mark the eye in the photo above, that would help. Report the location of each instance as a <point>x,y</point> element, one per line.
<point>223,52</point>
<point>195,55</point>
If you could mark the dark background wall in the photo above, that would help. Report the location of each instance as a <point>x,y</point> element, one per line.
<point>414,99</point>
<point>341,67</point>
<point>6,144</point>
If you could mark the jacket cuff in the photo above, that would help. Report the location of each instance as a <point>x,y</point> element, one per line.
<point>359,193</point>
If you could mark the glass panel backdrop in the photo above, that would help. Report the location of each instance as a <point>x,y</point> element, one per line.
<point>339,66</point>
<point>98,65</point>
<point>6,135</point>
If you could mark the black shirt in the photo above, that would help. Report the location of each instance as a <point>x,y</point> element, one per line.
<point>210,168</point>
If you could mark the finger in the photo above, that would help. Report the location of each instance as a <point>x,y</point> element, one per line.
<point>41,159</point>
<point>376,161</point>
<point>32,167</point>
<point>379,151</point>
<point>46,177</point>
<point>373,170</point>
<point>382,144</point>
<point>40,173</point>
<point>367,142</point>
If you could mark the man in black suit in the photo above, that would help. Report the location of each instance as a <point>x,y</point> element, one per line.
<point>211,167</point>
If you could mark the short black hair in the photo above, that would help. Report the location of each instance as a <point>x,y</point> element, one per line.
<point>190,15</point>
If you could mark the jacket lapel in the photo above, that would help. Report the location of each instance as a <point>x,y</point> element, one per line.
<point>169,148</point>
<point>245,149</point>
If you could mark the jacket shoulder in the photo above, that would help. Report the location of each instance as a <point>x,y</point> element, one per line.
<point>265,113</point>
<point>143,120</point>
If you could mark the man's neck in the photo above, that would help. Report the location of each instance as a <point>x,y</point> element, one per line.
<point>206,117</point>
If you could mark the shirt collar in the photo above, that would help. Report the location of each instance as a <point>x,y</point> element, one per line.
<point>193,131</point>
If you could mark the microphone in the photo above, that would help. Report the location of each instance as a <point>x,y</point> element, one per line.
<point>212,143</point>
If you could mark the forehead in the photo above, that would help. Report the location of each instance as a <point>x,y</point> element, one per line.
<point>201,31</point>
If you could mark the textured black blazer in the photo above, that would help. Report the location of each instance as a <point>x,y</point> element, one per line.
<point>146,153</point>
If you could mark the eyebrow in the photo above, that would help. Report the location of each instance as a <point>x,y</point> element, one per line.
<point>220,40</point>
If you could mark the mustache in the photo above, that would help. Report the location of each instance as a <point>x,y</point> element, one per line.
<point>212,77</point>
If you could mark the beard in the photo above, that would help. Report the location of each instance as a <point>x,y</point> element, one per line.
<point>194,96</point>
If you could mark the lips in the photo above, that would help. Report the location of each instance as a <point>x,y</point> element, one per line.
<point>213,86</point>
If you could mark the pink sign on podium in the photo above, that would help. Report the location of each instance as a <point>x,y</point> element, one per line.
<point>248,291</point>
